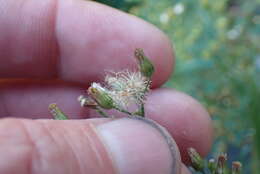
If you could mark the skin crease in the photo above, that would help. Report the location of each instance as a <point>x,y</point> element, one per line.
<point>52,42</point>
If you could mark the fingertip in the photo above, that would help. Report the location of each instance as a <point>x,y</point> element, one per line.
<point>139,146</point>
<point>76,41</point>
<point>105,39</point>
<point>128,145</point>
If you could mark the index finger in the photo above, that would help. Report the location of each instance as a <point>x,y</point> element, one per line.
<point>75,40</point>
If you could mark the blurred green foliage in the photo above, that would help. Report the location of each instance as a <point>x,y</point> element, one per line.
<point>125,5</point>
<point>217,45</point>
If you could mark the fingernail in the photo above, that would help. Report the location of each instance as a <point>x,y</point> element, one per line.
<point>138,145</point>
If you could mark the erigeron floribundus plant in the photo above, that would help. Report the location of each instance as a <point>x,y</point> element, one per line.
<point>121,90</point>
<point>124,89</point>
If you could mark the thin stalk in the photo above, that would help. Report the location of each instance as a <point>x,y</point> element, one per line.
<point>141,111</point>
<point>124,111</point>
<point>101,112</point>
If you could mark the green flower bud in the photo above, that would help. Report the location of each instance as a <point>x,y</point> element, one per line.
<point>212,165</point>
<point>56,112</point>
<point>145,65</point>
<point>100,95</point>
<point>196,161</point>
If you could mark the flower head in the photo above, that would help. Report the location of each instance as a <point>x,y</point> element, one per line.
<point>122,91</point>
<point>127,88</point>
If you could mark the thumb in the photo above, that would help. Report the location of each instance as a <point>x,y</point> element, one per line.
<point>94,146</point>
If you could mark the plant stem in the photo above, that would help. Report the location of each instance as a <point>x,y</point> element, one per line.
<point>102,113</point>
<point>140,112</point>
<point>124,111</point>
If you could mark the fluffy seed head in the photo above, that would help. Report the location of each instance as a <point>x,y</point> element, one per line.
<point>127,88</point>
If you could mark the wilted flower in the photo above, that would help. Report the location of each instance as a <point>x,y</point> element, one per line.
<point>122,90</point>
<point>126,88</point>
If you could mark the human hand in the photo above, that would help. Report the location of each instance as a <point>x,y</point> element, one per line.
<point>50,51</point>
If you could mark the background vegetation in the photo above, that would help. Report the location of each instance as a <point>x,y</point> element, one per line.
<point>217,44</point>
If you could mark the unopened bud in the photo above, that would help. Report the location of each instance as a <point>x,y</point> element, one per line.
<point>221,164</point>
<point>236,167</point>
<point>145,65</point>
<point>87,102</point>
<point>100,95</point>
<point>196,160</point>
<point>212,165</point>
<point>56,112</point>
